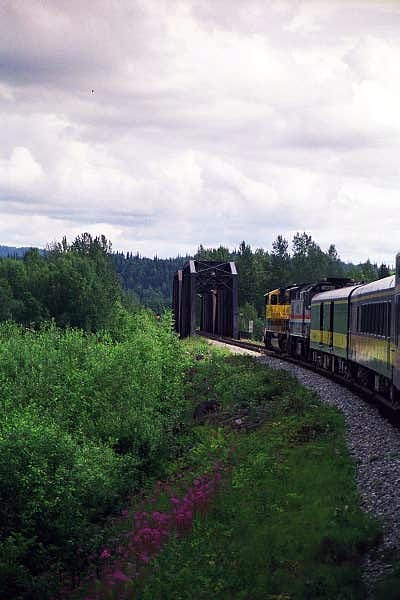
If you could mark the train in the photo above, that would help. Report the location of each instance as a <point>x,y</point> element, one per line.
<point>349,329</point>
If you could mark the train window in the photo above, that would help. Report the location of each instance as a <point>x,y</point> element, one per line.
<point>274,299</point>
<point>385,319</point>
<point>266,300</point>
<point>389,319</point>
<point>379,328</point>
<point>367,317</point>
<point>374,320</point>
<point>363,328</point>
<point>321,316</point>
<point>382,318</point>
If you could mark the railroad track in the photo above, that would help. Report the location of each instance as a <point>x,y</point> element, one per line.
<point>239,343</point>
<point>373,440</point>
<point>364,392</point>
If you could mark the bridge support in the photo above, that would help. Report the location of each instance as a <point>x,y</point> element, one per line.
<point>205,295</point>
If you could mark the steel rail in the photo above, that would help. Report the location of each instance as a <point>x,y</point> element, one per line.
<point>362,391</point>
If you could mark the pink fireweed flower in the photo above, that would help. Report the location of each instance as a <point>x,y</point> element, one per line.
<point>144,557</point>
<point>150,530</point>
<point>160,518</point>
<point>120,576</point>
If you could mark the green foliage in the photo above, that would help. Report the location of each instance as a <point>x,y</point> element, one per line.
<point>52,488</point>
<point>249,313</point>
<point>150,280</point>
<point>221,254</point>
<point>237,380</point>
<point>289,525</point>
<point>383,271</point>
<point>74,285</point>
<point>85,419</point>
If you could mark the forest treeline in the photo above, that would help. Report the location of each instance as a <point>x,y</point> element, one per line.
<point>150,280</point>
<point>76,284</point>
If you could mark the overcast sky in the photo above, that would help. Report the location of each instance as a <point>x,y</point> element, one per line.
<point>166,124</point>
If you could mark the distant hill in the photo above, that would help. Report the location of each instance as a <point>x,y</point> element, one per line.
<point>14,252</point>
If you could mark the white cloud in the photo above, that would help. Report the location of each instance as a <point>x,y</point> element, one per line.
<point>20,171</point>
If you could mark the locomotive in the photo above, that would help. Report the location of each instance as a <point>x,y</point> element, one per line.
<point>349,329</point>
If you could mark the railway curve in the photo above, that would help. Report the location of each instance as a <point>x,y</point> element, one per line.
<point>373,441</point>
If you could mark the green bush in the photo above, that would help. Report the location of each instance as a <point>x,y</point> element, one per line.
<point>85,418</point>
<point>52,488</point>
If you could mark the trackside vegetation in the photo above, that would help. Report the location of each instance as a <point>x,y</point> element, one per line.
<point>134,465</point>
<point>91,405</point>
<point>85,419</point>
<point>262,504</point>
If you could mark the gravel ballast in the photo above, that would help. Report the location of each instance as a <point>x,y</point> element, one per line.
<point>374,444</point>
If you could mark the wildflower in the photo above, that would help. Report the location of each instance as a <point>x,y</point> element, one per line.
<point>105,554</point>
<point>119,576</point>
<point>144,557</point>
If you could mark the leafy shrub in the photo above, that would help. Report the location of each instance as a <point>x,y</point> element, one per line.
<point>84,419</point>
<point>52,488</point>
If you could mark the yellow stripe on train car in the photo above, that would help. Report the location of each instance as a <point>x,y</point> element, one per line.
<point>340,340</point>
<point>367,348</point>
<point>324,337</point>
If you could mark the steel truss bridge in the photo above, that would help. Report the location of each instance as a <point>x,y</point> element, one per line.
<point>205,296</point>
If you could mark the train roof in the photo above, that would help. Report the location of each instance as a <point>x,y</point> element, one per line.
<point>387,283</point>
<point>331,295</point>
<point>276,291</point>
<point>381,285</point>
